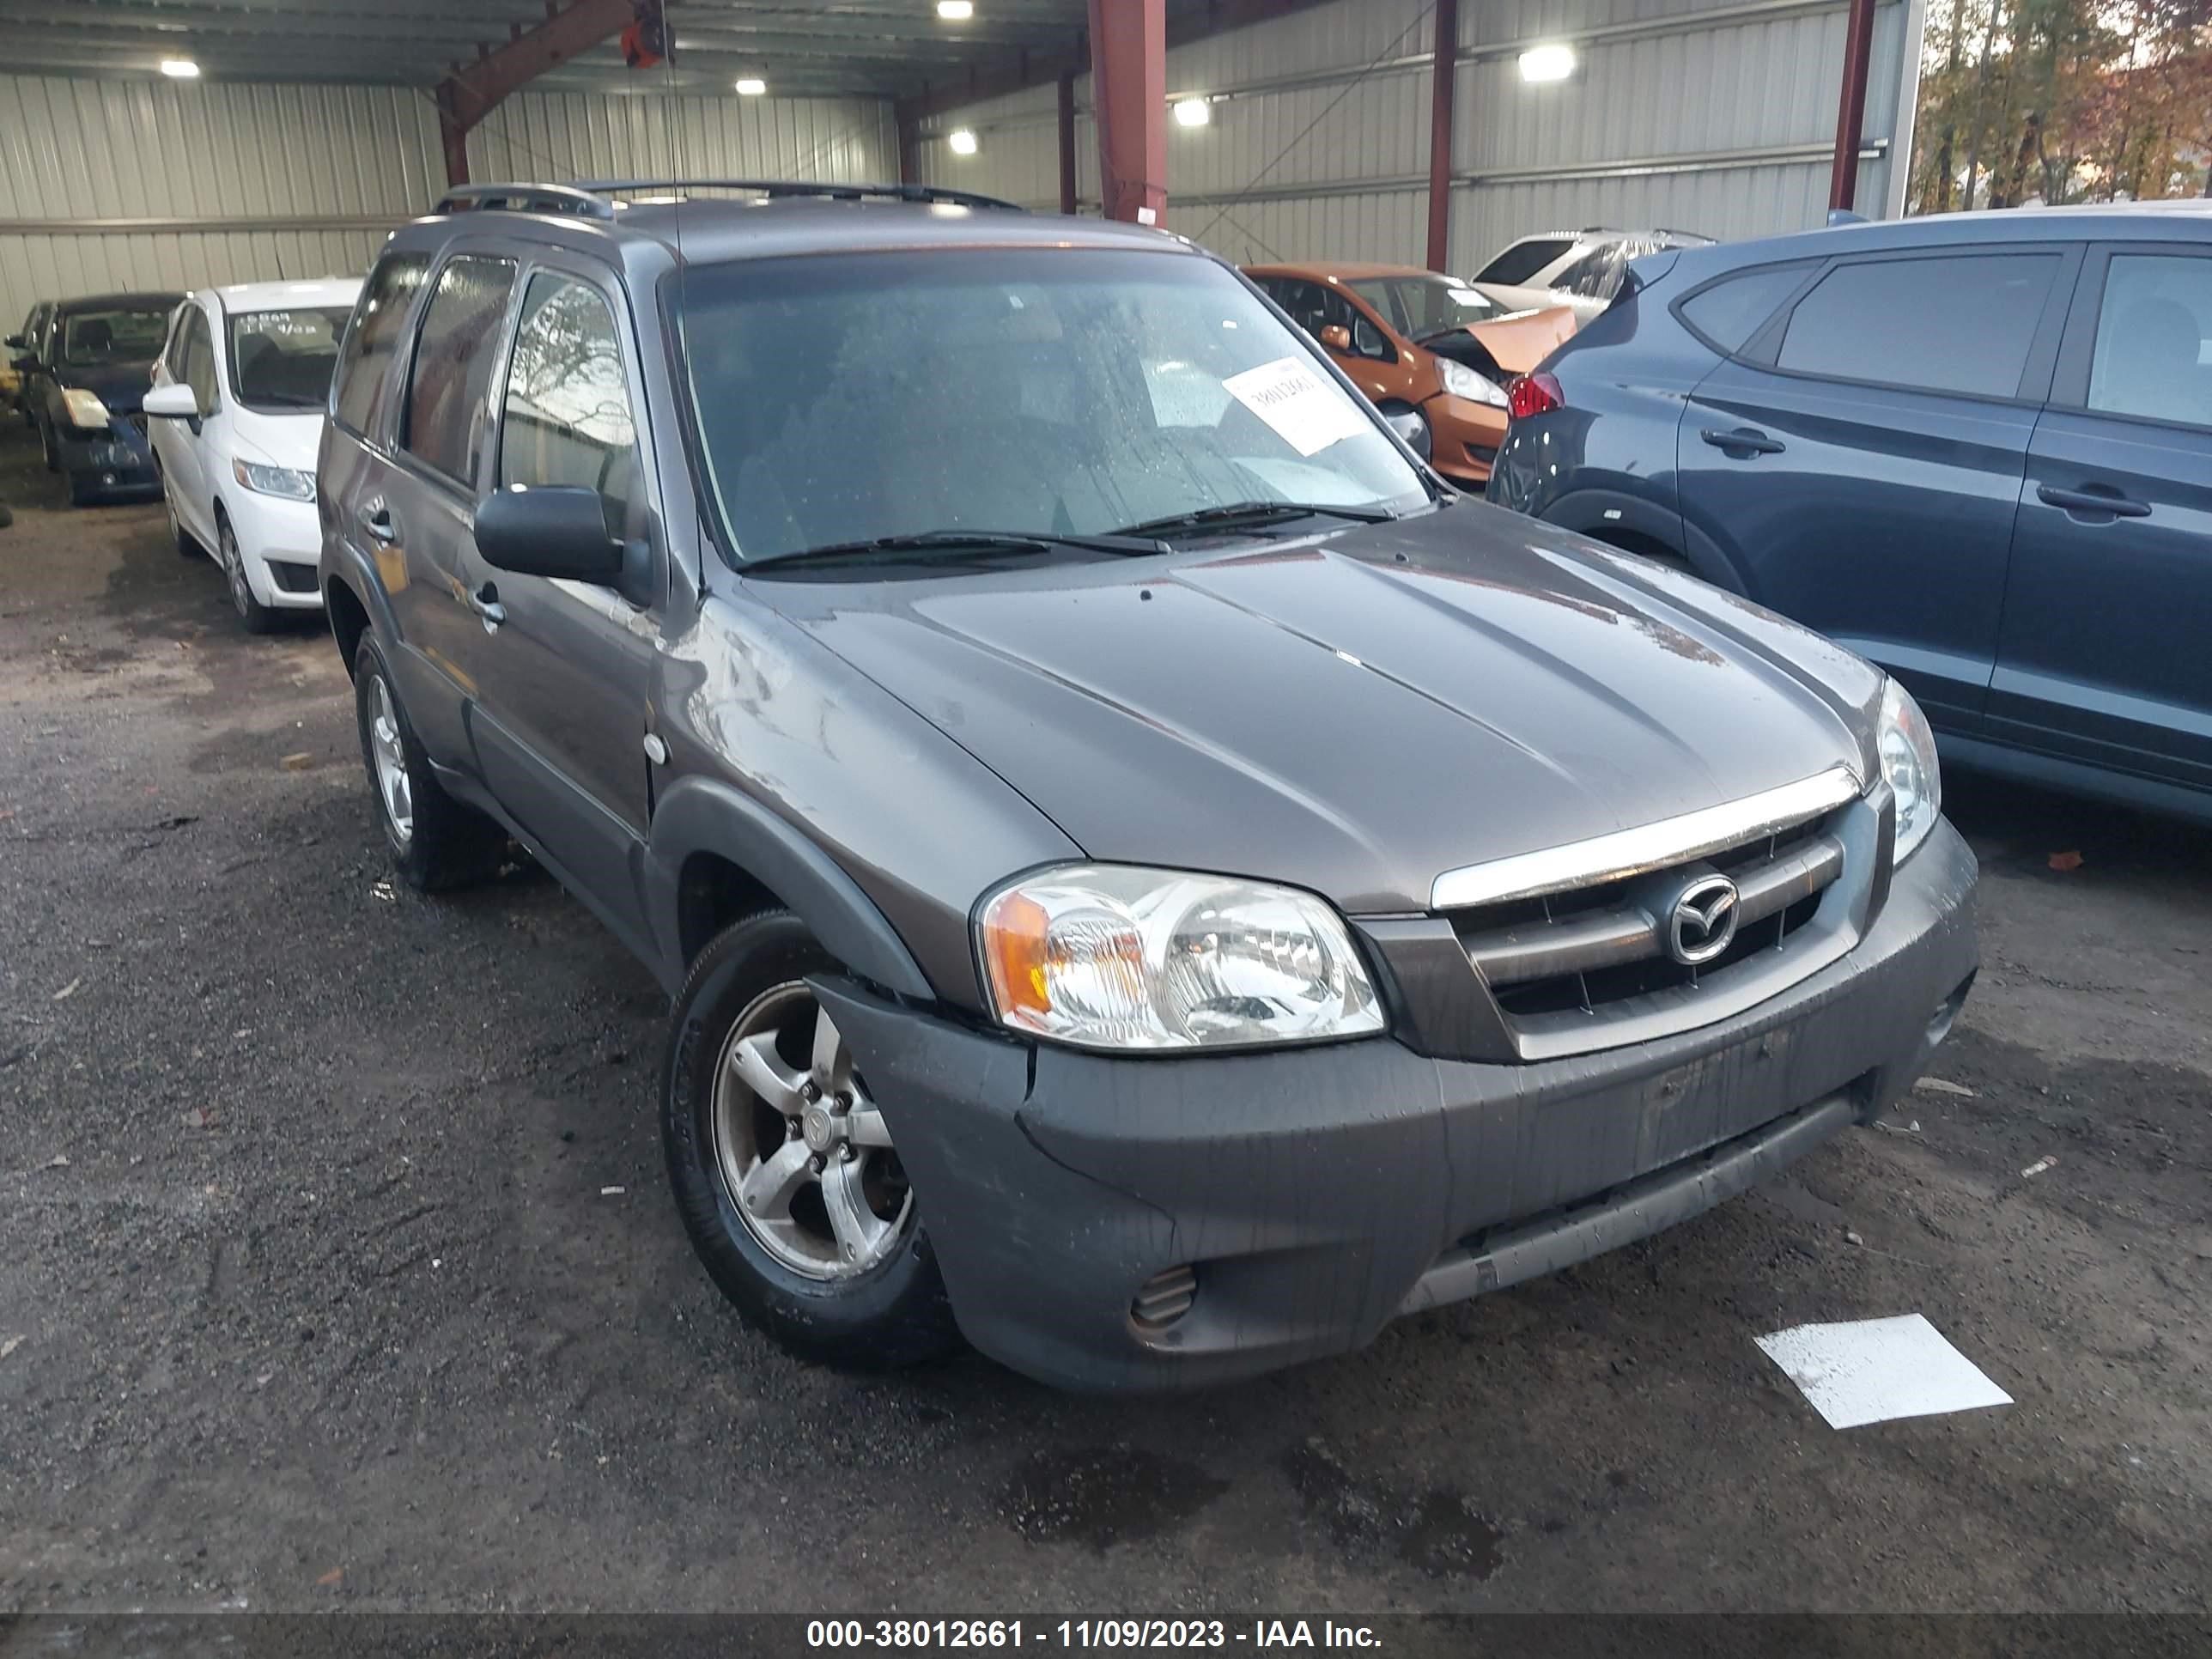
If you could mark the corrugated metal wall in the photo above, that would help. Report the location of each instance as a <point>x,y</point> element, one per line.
<point>141,185</point>
<point>1716,116</point>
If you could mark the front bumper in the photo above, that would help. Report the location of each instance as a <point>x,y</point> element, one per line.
<point>1320,1193</point>
<point>1463,438</point>
<point>118,461</point>
<point>281,542</point>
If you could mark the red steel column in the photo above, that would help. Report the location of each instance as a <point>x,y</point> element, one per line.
<point>1851,114</point>
<point>1129,97</point>
<point>1445,76</point>
<point>1067,142</point>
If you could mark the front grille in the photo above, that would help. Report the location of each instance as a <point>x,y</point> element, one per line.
<point>1569,959</point>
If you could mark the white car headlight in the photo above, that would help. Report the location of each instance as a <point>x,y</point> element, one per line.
<point>1461,381</point>
<point>1907,749</point>
<point>1116,957</point>
<point>84,410</point>
<point>288,482</point>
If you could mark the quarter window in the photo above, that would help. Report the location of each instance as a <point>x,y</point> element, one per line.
<point>374,338</point>
<point>1729,312</point>
<point>2154,351</point>
<point>1958,324</point>
<point>566,417</point>
<point>451,381</point>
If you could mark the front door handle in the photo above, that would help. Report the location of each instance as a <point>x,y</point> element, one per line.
<point>1746,440</point>
<point>485,603</point>
<point>378,523</point>
<point>2100,506</point>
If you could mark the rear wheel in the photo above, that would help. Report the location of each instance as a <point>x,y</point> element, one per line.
<point>783,1170</point>
<point>436,841</point>
<point>178,535</point>
<point>259,618</point>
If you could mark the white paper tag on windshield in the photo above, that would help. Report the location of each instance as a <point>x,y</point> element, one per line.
<point>1306,412</point>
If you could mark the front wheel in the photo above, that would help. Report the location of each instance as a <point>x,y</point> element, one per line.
<point>783,1170</point>
<point>259,618</point>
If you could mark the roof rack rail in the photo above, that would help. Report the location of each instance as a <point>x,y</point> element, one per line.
<point>836,190</point>
<point>524,198</point>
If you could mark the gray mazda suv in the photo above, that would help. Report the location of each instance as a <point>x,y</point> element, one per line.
<point>1150,881</point>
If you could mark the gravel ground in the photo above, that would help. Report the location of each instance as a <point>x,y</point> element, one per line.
<point>337,1269</point>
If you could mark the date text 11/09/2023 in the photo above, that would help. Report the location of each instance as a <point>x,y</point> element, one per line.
<point>1087,1633</point>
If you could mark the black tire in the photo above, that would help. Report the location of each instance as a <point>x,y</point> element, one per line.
<point>46,450</point>
<point>257,617</point>
<point>445,844</point>
<point>894,1313</point>
<point>185,545</point>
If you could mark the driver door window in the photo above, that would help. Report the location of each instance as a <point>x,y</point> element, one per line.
<point>566,417</point>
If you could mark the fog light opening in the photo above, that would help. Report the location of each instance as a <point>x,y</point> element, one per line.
<point>1164,1298</point>
<point>1947,1012</point>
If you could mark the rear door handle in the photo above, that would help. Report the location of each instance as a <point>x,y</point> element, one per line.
<point>1749,440</point>
<point>2094,503</point>
<point>378,526</point>
<point>485,603</point>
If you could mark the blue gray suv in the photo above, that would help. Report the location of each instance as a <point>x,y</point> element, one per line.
<point>1976,449</point>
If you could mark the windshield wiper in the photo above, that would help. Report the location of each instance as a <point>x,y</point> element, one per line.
<point>1252,515</point>
<point>965,541</point>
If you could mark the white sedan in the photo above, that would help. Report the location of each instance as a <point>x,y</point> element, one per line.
<point>237,417</point>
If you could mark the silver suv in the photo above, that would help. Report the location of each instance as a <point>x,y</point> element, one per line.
<point>1150,879</point>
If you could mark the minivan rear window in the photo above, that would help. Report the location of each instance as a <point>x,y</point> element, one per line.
<point>1523,260</point>
<point>1959,324</point>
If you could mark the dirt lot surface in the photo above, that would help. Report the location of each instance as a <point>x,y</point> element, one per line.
<point>337,1269</point>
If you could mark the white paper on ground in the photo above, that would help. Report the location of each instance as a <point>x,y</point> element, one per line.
<point>1306,412</point>
<point>1868,1370</point>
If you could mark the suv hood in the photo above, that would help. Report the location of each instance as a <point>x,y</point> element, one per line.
<point>1358,714</point>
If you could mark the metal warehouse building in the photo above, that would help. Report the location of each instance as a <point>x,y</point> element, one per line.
<point>308,130</point>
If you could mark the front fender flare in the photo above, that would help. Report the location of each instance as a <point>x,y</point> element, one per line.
<point>701,815</point>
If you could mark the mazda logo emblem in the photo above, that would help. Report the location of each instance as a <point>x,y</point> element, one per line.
<point>1700,923</point>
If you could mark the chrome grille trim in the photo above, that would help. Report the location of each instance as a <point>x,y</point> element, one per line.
<point>1591,940</point>
<point>1633,852</point>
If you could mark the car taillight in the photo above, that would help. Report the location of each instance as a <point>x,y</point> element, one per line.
<point>1534,394</point>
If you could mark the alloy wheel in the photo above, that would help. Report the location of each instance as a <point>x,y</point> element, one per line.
<point>233,568</point>
<point>392,788</point>
<point>803,1152</point>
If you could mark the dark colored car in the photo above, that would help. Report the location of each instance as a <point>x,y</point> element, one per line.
<point>1149,877</point>
<point>19,345</point>
<point>1975,448</point>
<point>84,378</point>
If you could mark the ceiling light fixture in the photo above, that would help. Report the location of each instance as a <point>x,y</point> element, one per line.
<point>1193,111</point>
<point>956,11</point>
<point>1554,62</point>
<point>751,87</point>
<point>963,142</point>
<point>180,69</point>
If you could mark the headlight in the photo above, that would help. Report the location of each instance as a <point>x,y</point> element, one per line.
<point>84,409</point>
<point>292,484</point>
<point>1116,957</point>
<point>1463,382</point>
<point>1907,749</point>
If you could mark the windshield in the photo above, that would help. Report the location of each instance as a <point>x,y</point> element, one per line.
<point>124,335</point>
<point>844,399</point>
<point>283,359</point>
<point>1422,305</point>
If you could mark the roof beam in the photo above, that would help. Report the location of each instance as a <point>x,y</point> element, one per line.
<point>474,90</point>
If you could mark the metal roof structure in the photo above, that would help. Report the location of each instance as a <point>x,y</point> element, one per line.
<point>799,48</point>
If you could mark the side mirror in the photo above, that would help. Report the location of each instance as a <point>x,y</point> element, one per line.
<point>16,342</point>
<point>553,530</point>
<point>173,401</point>
<point>1336,337</point>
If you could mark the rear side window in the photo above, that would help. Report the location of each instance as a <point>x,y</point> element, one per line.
<point>1958,325</point>
<point>1727,312</point>
<point>1596,274</point>
<point>1523,260</point>
<point>374,338</point>
<point>447,387</point>
<point>567,417</point>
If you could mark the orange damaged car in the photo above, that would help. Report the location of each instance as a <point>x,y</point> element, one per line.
<point>1430,353</point>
